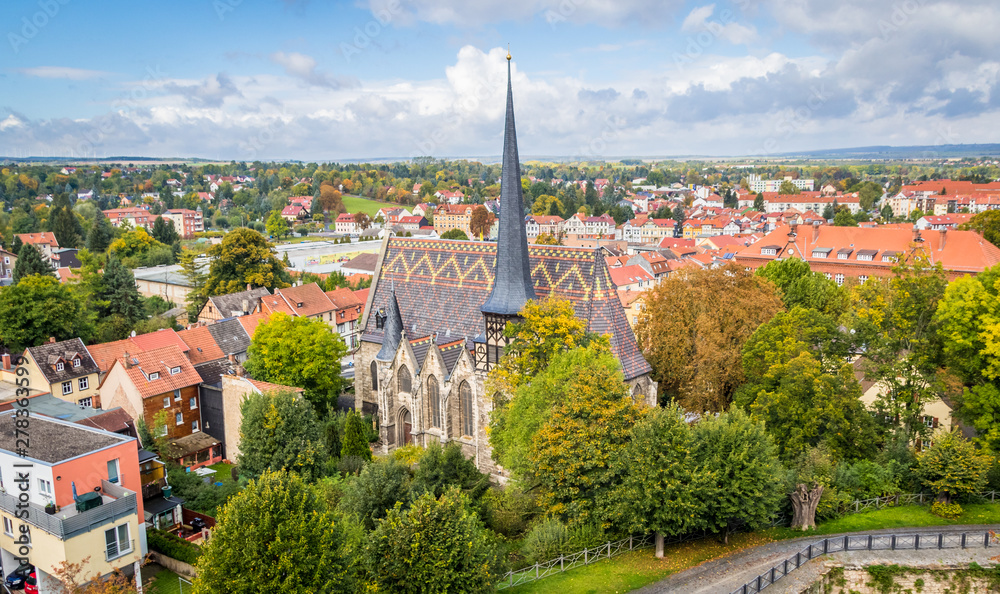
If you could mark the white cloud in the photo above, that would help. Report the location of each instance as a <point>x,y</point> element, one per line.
<point>303,67</point>
<point>61,72</point>
<point>10,121</point>
<point>697,21</point>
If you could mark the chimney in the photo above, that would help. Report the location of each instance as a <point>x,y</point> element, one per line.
<point>248,286</point>
<point>792,229</point>
<point>232,359</point>
<point>944,238</point>
<point>916,235</point>
<point>239,371</point>
<point>52,339</point>
<point>128,360</point>
<point>815,231</point>
<point>6,360</point>
<point>246,306</point>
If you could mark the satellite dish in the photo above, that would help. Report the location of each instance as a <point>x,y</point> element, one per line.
<point>132,334</point>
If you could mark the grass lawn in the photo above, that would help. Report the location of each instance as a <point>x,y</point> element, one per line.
<point>355,204</point>
<point>223,473</point>
<point>638,568</point>
<point>164,581</point>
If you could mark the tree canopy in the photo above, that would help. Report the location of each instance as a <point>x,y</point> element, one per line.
<point>29,262</point>
<point>243,258</point>
<point>40,307</point>
<point>279,431</point>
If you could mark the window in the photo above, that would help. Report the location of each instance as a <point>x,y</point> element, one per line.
<point>117,542</point>
<point>175,370</point>
<point>434,400</point>
<point>45,487</point>
<point>193,403</point>
<point>166,402</point>
<point>67,387</point>
<point>467,412</point>
<point>177,394</point>
<point>8,526</point>
<point>84,383</point>
<point>930,422</point>
<point>374,372</point>
<point>194,426</point>
<point>827,275</point>
<point>76,363</point>
<point>863,278</point>
<point>60,366</point>
<point>154,376</point>
<point>113,471</point>
<point>404,379</point>
<point>179,418</point>
<point>839,279</point>
<point>86,402</point>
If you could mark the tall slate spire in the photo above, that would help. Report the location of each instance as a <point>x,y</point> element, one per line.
<point>512,285</point>
<point>393,330</point>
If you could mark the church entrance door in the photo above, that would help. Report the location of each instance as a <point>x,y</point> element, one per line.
<point>405,426</point>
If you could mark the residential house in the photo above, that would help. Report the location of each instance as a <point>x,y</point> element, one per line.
<point>7,262</point>
<point>450,197</point>
<point>453,216</point>
<point>232,305</point>
<point>391,215</point>
<point>345,224</point>
<point>536,225</point>
<point>424,209</point>
<point>412,223</point>
<point>634,278</point>
<point>136,217</point>
<point>186,222</point>
<point>363,263</point>
<point>66,369</point>
<point>858,253</point>
<point>936,413</point>
<point>633,304</point>
<point>232,338</point>
<point>163,513</point>
<point>73,489</point>
<point>945,221</point>
<point>44,242</point>
<point>655,263</point>
<point>307,301</point>
<point>348,307</point>
<point>293,213</point>
<point>167,282</point>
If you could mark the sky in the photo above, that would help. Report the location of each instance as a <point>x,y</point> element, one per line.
<point>593,79</point>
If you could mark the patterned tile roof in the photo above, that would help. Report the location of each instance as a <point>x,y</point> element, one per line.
<point>456,277</point>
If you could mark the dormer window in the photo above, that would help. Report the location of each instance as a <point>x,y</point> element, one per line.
<point>299,304</point>
<point>821,252</point>
<point>60,366</point>
<point>175,370</point>
<point>76,363</point>
<point>380,318</point>
<point>154,376</point>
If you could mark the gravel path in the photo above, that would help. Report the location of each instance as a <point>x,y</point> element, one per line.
<point>723,575</point>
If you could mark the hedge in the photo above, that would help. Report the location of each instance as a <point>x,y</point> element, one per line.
<point>173,546</point>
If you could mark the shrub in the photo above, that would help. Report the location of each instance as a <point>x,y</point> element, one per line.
<point>378,488</point>
<point>351,464</point>
<point>551,538</point>
<point>948,511</point>
<point>508,511</point>
<point>172,546</point>
<point>408,454</point>
<point>442,467</point>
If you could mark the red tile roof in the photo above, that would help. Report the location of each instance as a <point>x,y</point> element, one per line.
<point>251,322</point>
<point>304,300</point>
<point>627,275</point>
<point>158,339</point>
<point>45,238</point>
<point>105,354</point>
<point>159,361</point>
<point>202,347</point>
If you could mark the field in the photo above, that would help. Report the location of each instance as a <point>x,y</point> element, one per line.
<point>355,204</point>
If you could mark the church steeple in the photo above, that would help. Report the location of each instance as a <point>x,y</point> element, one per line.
<point>512,286</point>
<point>389,320</point>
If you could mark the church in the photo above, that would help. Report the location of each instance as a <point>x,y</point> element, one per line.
<point>433,323</point>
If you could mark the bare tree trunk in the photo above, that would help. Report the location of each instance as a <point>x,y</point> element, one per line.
<point>804,502</point>
<point>659,545</point>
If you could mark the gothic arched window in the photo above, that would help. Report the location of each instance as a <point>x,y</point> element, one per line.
<point>374,369</point>
<point>404,379</point>
<point>434,401</point>
<point>465,402</point>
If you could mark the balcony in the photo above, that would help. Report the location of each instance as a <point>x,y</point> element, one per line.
<point>67,522</point>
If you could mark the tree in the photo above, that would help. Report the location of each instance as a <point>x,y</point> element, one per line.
<point>330,200</point>
<point>134,243</point>
<point>886,213</point>
<point>742,460</point>
<point>277,226</point>
<point>119,291</point>
<point>868,194</point>
<point>953,467</point>
<point>243,258</point>
<point>40,307</point>
<point>481,221</point>
<point>101,234</point>
<point>980,407</point>
<point>29,262</point>
<point>274,533</point>
<point>679,216</point>
<point>987,224</point>
<point>799,286</point>
<point>299,352</point>
<point>72,579</point>
<point>377,489</point>
<point>441,468</point>
<point>758,202</point>
<point>362,220</point>
<point>547,239</point>
<point>843,218</point>
<point>829,211</point>
<point>455,234</point>
<point>571,455</point>
<point>164,231</point>
<point>355,443</point>
<point>693,329</point>
<point>438,545</point>
<point>546,204</point>
<point>787,187</point>
<point>279,431</point>
<point>663,489</point>
<point>64,223</point>
<point>969,319</point>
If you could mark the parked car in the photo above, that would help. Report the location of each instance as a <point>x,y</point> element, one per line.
<point>31,584</point>
<point>17,578</point>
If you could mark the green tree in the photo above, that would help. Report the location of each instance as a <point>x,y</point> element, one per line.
<point>40,307</point>
<point>64,223</point>
<point>969,325</point>
<point>135,244</point>
<point>276,535</point>
<point>438,545</point>
<point>443,467</point>
<point>376,491</point>
<point>455,234</point>
<point>980,407</point>
<point>953,467</point>
<point>843,218</point>
<point>987,224</point>
<point>119,291</point>
<point>355,443</point>
<point>758,202</point>
<point>279,431</point>
<point>787,187</point>
<point>573,451</point>
<point>101,234</point>
<point>664,488</point>
<point>29,262</point>
<point>243,258</point>
<point>742,460</point>
<point>886,213</point>
<point>194,272</point>
<point>799,286</point>
<point>164,231</point>
<point>277,226</point>
<point>868,194</point>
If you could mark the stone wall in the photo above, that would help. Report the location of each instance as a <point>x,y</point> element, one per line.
<point>893,578</point>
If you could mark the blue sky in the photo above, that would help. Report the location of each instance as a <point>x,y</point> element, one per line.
<point>312,80</point>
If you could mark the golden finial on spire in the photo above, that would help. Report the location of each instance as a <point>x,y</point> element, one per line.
<point>508,52</point>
